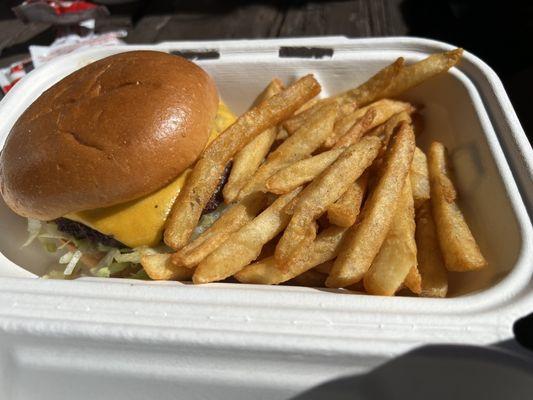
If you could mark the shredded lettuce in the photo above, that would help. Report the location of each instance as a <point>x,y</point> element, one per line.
<point>50,246</point>
<point>113,262</point>
<point>108,258</point>
<point>207,220</point>
<point>65,258</point>
<point>72,261</point>
<point>108,271</point>
<point>140,274</point>
<point>132,257</point>
<point>34,229</point>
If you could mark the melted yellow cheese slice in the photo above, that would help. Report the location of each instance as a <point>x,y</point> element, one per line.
<point>140,222</point>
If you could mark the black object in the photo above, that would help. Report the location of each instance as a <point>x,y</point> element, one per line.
<point>523,331</point>
<point>205,54</point>
<point>305,52</point>
<point>81,231</point>
<point>439,372</point>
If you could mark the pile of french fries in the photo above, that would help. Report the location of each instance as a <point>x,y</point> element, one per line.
<point>326,193</point>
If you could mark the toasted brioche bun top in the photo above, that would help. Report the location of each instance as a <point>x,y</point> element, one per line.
<point>113,131</point>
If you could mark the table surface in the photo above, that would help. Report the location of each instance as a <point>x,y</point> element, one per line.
<point>499,35</point>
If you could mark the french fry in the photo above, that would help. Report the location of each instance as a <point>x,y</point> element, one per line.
<point>365,238</point>
<point>159,267</point>
<point>384,109</point>
<point>385,131</point>
<point>262,272</point>
<point>281,135</point>
<point>307,106</point>
<point>301,172</point>
<point>233,219</point>
<point>373,88</point>
<point>309,278</point>
<point>364,94</point>
<point>323,249</point>
<point>419,178</point>
<point>430,262</point>
<point>414,74</point>
<point>357,130</point>
<point>246,161</point>
<point>296,147</point>
<point>345,210</point>
<point>459,248</point>
<point>323,191</point>
<point>209,168</point>
<point>244,245</point>
<point>413,280</point>
<point>397,254</point>
<point>325,267</point>
<point>297,121</point>
<point>294,123</point>
<point>274,87</point>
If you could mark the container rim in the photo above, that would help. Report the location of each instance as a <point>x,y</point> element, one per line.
<point>510,288</point>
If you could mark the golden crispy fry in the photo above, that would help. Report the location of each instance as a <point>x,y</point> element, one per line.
<point>246,161</point>
<point>413,280</point>
<point>365,238</point>
<point>301,172</point>
<point>307,106</point>
<point>419,178</point>
<point>160,267</point>
<point>262,272</point>
<point>385,131</point>
<point>414,74</point>
<point>345,210</point>
<point>309,278</point>
<point>233,219</point>
<point>397,254</point>
<point>323,249</point>
<point>294,123</point>
<point>297,121</point>
<point>373,89</point>
<point>209,168</point>
<point>358,129</point>
<point>384,109</point>
<point>389,82</point>
<point>244,245</point>
<point>281,135</point>
<point>274,87</point>
<point>459,248</point>
<point>323,191</point>
<point>325,267</point>
<point>364,94</point>
<point>430,262</point>
<point>296,147</point>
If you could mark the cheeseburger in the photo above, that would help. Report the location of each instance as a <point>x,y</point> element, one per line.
<point>96,162</point>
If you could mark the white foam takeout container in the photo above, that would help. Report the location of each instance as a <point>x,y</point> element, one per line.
<point>245,341</point>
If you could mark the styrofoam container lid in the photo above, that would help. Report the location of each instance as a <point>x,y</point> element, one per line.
<point>295,331</point>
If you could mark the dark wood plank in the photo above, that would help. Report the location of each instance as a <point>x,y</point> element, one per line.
<point>251,21</point>
<point>356,18</point>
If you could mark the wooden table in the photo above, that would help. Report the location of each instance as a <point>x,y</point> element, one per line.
<point>500,35</point>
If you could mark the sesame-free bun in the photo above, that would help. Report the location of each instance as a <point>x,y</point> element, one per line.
<point>113,131</point>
